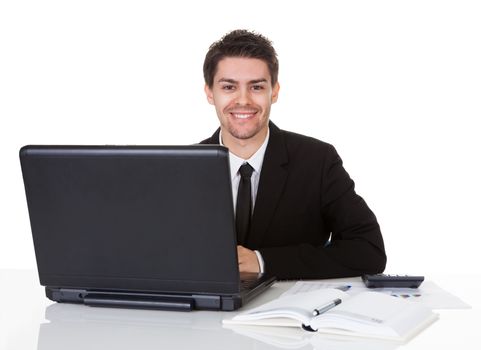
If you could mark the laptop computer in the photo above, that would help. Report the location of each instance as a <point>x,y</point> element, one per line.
<point>136,226</point>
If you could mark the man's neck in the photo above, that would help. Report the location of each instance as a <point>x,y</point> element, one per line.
<point>244,148</point>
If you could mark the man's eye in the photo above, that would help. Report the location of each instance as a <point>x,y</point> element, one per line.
<point>228,87</point>
<point>257,87</point>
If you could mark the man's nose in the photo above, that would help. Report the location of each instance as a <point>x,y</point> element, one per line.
<point>243,97</point>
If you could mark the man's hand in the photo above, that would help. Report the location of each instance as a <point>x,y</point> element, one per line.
<point>247,260</point>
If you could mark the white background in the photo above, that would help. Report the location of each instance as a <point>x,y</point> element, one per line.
<point>394,85</point>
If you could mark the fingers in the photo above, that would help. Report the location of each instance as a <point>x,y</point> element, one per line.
<point>247,260</point>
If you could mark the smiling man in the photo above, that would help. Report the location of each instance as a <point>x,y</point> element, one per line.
<point>297,213</point>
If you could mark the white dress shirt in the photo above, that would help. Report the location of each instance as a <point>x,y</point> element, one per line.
<point>255,162</point>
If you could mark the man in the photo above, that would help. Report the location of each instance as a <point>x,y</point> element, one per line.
<point>301,217</point>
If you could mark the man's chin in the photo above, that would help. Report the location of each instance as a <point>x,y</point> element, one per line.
<point>244,134</point>
<point>245,131</point>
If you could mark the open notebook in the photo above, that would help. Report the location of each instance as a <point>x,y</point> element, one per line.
<point>368,314</point>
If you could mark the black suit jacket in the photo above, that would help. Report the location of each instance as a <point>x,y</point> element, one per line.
<point>304,197</point>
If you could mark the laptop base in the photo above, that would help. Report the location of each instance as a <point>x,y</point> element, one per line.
<point>156,301</point>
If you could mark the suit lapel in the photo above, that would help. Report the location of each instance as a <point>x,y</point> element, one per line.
<point>271,185</point>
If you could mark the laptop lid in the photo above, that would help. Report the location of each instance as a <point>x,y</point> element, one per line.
<point>132,218</point>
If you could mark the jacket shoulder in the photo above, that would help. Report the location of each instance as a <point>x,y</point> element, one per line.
<point>306,144</point>
<point>213,140</point>
<point>207,141</point>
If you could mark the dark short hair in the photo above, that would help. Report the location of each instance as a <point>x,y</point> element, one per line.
<point>241,43</point>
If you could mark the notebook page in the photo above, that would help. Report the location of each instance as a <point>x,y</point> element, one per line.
<point>376,314</point>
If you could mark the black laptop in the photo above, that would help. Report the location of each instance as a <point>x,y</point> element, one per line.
<point>136,226</point>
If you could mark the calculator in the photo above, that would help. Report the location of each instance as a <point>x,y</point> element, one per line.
<point>392,281</point>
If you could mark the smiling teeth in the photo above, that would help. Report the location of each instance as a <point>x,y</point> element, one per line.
<point>243,116</point>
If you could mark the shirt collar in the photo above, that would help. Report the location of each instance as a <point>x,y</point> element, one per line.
<point>255,160</point>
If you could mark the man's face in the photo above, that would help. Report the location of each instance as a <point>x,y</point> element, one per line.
<point>242,94</point>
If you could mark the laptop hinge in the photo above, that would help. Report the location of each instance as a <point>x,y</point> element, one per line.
<point>139,302</point>
<point>184,302</point>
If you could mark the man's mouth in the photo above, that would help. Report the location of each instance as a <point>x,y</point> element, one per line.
<point>243,114</point>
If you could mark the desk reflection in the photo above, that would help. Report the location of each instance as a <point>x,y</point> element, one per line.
<point>80,327</point>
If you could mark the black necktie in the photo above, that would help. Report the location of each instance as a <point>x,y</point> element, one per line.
<point>244,203</point>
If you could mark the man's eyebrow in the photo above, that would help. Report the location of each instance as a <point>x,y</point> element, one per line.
<point>225,80</point>
<point>232,81</point>
<point>257,81</point>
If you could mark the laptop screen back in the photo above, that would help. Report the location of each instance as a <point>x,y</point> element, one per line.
<point>132,218</point>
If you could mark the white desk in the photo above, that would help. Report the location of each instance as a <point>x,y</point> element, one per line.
<point>30,321</point>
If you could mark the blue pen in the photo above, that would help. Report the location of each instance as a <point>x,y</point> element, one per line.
<point>344,288</point>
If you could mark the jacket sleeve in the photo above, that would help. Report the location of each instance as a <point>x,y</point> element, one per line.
<point>356,246</point>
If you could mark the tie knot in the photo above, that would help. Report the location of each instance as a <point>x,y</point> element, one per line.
<point>246,171</point>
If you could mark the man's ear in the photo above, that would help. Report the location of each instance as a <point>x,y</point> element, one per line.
<point>209,94</point>
<point>275,92</point>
